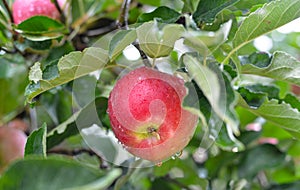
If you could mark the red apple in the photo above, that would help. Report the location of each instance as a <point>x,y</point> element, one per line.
<point>146,114</point>
<point>18,124</point>
<point>24,9</point>
<point>296,89</point>
<point>12,145</point>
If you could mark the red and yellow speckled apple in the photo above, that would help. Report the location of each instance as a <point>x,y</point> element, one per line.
<point>146,114</point>
<point>24,9</point>
<point>12,145</point>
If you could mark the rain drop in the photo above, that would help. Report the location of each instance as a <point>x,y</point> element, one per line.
<point>235,149</point>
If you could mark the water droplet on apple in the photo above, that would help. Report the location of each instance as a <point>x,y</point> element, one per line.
<point>158,164</point>
<point>173,157</point>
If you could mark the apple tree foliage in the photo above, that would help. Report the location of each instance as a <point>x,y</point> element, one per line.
<point>49,77</point>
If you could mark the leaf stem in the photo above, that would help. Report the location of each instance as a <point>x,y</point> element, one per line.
<point>143,55</point>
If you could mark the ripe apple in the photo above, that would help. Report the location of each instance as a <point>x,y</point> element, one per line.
<point>146,115</point>
<point>24,9</point>
<point>12,145</point>
<point>296,89</point>
<point>18,124</point>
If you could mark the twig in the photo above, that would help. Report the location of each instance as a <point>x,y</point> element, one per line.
<point>143,55</point>
<point>8,10</point>
<point>76,152</point>
<point>62,15</point>
<point>262,179</point>
<point>123,18</point>
<point>123,22</point>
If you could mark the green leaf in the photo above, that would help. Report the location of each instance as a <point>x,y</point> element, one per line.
<point>120,41</point>
<point>227,142</point>
<point>190,6</point>
<point>83,118</point>
<point>278,113</point>
<point>266,19</point>
<point>40,25</point>
<point>161,14</point>
<point>55,173</point>
<point>39,45</point>
<point>12,84</point>
<point>206,42</point>
<point>260,158</point>
<point>260,59</point>
<point>70,67</point>
<point>36,142</point>
<point>62,131</point>
<point>282,67</point>
<point>153,3</point>
<point>214,87</point>
<point>186,166</point>
<point>208,9</point>
<point>287,186</point>
<point>56,53</point>
<point>157,40</point>
<point>256,94</point>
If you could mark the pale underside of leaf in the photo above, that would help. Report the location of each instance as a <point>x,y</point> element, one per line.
<point>280,114</point>
<point>264,20</point>
<point>156,42</point>
<point>120,41</point>
<point>283,67</point>
<point>70,67</point>
<point>208,82</point>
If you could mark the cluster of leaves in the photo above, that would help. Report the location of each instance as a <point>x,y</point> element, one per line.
<point>208,42</point>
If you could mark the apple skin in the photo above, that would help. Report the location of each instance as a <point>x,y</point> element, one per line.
<point>12,145</point>
<point>24,9</point>
<point>295,89</point>
<point>146,115</point>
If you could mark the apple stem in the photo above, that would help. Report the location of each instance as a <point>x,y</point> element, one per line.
<point>123,18</point>
<point>152,131</point>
